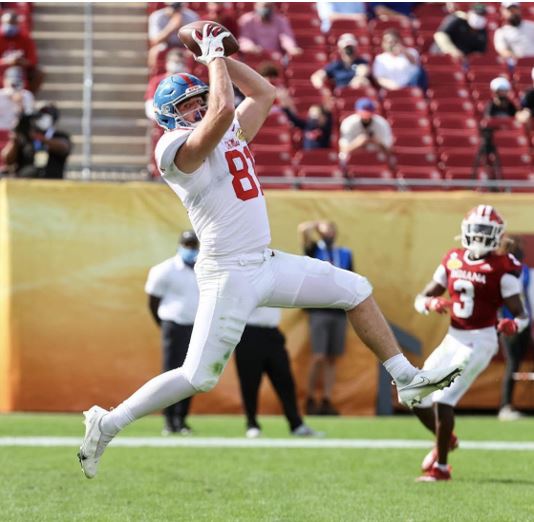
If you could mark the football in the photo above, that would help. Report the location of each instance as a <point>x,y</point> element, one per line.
<point>185,34</point>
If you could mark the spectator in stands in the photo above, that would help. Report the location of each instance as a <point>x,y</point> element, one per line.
<point>163,26</point>
<point>500,105</point>
<point>17,48</point>
<point>461,34</point>
<point>220,12</point>
<point>266,30</point>
<point>333,11</point>
<point>15,100</point>
<point>398,66</point>
<point>527,104</point>
<point>391,10</point>
<point>349,70</point>
<point>514,39</point>
<point>365,129</point>
<point>35,148</point>
<point>316,128</point>
<point>328,327</point>
<point>175,62</point>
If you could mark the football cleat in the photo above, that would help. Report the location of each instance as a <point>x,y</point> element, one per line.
<point>306,431</point>
<point>253,433</point>
<point>425,382</point>
<point>94,442</point>
<point>435,474</point>
<point>432,456</point>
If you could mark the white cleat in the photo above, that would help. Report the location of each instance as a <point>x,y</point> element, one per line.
<point>425,382</point>
<point>94,442</point>
<point>253,433</point>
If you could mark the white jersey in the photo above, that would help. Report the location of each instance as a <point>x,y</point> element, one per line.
<point>223,197</point>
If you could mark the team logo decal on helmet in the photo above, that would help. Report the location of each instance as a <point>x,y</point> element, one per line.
<point>171,92</point>
<point>482,229</point>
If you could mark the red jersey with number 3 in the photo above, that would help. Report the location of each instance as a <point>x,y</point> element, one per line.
<point>223,196</point>
<point>475,286</point>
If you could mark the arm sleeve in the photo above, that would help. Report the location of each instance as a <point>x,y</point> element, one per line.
<point>155,284</point>
<point>510,285</point>
<point>167,148</point>
<point>440,276</point>
<point>324,10</point>
<point>499,42</point>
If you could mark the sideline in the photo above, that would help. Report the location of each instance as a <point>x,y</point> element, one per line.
<point>221,442</point>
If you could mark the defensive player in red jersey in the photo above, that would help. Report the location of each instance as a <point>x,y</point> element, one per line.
<point>478,281</point>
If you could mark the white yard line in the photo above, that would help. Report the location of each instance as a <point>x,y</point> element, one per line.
<point>220,442</point>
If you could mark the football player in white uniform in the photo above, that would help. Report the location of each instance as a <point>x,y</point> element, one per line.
<point>205,159</point>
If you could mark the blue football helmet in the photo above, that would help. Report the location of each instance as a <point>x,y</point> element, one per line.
<point>174,90</point>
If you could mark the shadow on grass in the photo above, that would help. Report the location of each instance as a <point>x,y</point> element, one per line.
<point>505,481</point>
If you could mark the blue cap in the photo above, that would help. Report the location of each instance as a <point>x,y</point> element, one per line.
<point>365,104</point>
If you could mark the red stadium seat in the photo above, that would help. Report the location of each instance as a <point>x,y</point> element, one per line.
<point>411,140</point>
<point>457,142</point>
<point>452,106</point>
<point>439,78</point>
<point>410,159</point>
<point>413,105</point>
<point>455,121</point>
<point>367,159</point>
<point>420,178</point>
<point>438,92</point>
<point>409,122</point>
<point>316,157</point>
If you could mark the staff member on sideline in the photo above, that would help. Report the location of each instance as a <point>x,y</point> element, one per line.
<point>328,326</point>
<point>262,350</point>
<point>173,300</point>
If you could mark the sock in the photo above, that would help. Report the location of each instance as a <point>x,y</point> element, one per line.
<point>400,369</point>
<point>442,467</point>
<point>157,394</point>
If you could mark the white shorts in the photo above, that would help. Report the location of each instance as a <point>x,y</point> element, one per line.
<point>231,288</point>
<point>477,347</point>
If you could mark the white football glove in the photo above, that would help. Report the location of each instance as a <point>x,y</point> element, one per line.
<point>210,43</point>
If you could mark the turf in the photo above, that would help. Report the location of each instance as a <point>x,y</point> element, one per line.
<point>264,484</point>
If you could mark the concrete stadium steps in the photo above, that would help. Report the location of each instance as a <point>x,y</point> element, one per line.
<point>120,129</point>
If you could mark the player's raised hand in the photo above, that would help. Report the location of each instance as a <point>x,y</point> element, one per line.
<point>210,43</point>
<point>507,327</point>
<point>438,304</point>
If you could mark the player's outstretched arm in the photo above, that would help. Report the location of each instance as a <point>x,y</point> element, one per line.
<point>260,95</point>
<point>219,116</point>
<point>429,299</point>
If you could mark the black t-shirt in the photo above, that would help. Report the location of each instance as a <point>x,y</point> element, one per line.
<point>29,164</point>
<point>465,38</point>
<point>528,100</point>
<point>504,108</point>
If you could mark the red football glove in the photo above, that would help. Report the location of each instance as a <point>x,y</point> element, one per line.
<point>439,305</point>
<point>507,327</point>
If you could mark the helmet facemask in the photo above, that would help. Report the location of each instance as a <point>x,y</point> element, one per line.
<point>199,112</point>
<point>481,238</point>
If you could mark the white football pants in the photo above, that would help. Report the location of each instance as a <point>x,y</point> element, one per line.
<point>230,289</point>
<point>477,347</point>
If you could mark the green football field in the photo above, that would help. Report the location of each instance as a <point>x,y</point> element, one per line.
<point>350,475</point>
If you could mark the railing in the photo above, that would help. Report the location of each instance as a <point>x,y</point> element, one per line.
<point>87,89</point>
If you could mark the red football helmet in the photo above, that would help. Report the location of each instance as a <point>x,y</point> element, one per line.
<point>482,229</point>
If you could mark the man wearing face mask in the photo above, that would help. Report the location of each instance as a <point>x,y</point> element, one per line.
<point>365,129</point>
<point>264,29</point>
<point>349,70</point>
<point>17,48</point>
<point>515,39</point>
<point>173,301</point>
<point>461,34</point>
<point>328,327</point>
<point>36,149</point>
<point>14,99</point>
<point>500,105</point>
